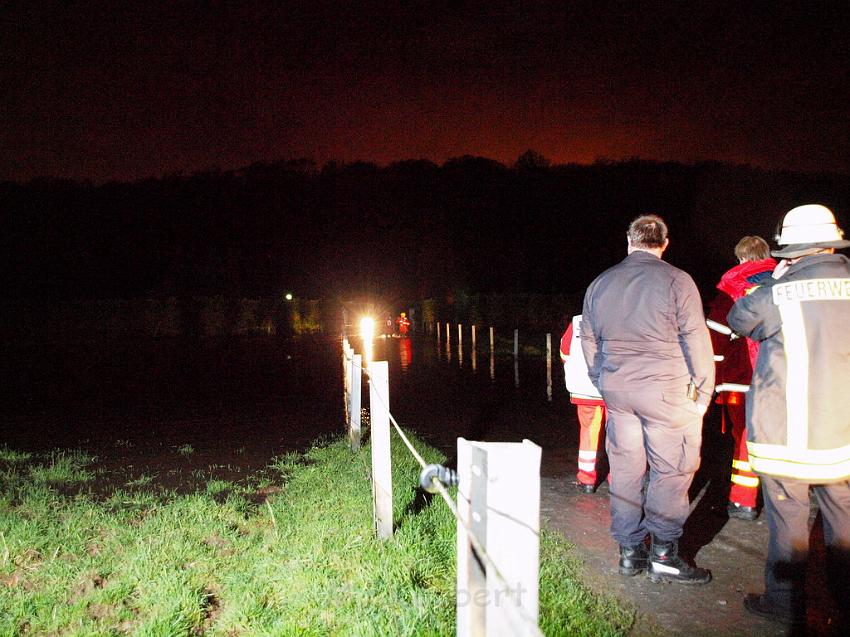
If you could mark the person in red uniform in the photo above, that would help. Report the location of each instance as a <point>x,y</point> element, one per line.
<point>403,324</point>
<point>589,405</point>
<point>735,360</point>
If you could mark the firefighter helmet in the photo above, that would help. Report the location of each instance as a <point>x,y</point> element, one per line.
<point>808,229</point>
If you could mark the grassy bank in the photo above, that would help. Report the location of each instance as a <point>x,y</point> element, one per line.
<point>288,551</point>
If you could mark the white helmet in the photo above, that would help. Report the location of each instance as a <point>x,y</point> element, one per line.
<point>808,229</point>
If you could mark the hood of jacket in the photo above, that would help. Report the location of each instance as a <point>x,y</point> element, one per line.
<point>745,275</point>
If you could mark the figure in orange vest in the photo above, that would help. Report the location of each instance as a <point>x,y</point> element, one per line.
<point>589,405</point>
<point>403,324</point>
<point>735,360</point>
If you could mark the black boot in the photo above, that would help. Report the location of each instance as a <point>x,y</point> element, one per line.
<point>633,559</point>
<point>735,510</point>
<point>666,565</point>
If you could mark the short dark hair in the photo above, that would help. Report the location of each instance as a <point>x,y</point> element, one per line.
<point>648,231</point>
<point>752,248</point>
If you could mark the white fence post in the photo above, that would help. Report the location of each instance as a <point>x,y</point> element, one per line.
<point>382,477</point>
<point>516,343</point>
<point>499,498</point>
<point>356,384</point>
<point>473,336</point>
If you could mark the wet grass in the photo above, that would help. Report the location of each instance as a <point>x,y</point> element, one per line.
<point>287,551</point>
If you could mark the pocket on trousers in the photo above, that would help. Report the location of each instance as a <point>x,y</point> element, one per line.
<point>690,460</point>
<point>677,399</point>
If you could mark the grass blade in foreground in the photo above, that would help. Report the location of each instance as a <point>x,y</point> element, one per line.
<point>290,552</point>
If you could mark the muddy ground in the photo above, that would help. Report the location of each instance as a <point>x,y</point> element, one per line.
<point>237,403</point>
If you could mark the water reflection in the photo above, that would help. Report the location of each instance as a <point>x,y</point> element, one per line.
<point>405,352</point>
<point>445,331</point>
<point>549,367</point>
<point>460,345</point>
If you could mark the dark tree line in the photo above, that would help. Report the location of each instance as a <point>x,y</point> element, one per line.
<point>412,229</point>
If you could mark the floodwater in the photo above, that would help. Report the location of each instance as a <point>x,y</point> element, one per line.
<point>443,392</point>
<point>250,398</point>
<point>180,410</point>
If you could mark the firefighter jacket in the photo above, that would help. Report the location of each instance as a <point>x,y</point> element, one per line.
<point>798,407</point>
<point>582,391</point>
<point>734,357</point>
<point>643,326</point>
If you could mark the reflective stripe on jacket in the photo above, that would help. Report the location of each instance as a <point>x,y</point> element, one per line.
<point>798,409</point>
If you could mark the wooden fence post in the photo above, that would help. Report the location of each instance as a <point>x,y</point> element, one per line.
<point>499,498</point>
<point>548,366</point>
<point>356,384</point>
<point>492,354</point>
<point>516,358</point>
<point>382,477</point>
<point>347,356</point>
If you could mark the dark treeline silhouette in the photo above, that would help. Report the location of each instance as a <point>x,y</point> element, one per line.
<point>409,230</point>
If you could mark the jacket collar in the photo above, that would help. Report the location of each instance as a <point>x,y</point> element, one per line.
<point>735,282</point>
<point>815,259</point>
<point>643,255</point>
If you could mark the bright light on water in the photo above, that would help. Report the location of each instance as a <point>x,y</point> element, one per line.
<point>367,327</point>
<point>367,333</point>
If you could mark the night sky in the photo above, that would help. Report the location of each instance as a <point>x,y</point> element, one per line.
<point>93,91</point>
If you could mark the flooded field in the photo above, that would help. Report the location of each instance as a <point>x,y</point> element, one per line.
<point>178,413</point>
<point>237,402</point>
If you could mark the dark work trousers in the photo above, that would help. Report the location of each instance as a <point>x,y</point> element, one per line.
<point>664,429</point>
<point>786,503</point>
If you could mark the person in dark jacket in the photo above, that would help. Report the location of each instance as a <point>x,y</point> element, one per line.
<point>648,351</point>
<point>798,409</point>
<point>735,359</point>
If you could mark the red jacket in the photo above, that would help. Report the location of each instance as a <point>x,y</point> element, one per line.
<point>738,355</point>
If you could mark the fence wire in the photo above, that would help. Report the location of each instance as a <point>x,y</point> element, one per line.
<point>523,623</point>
